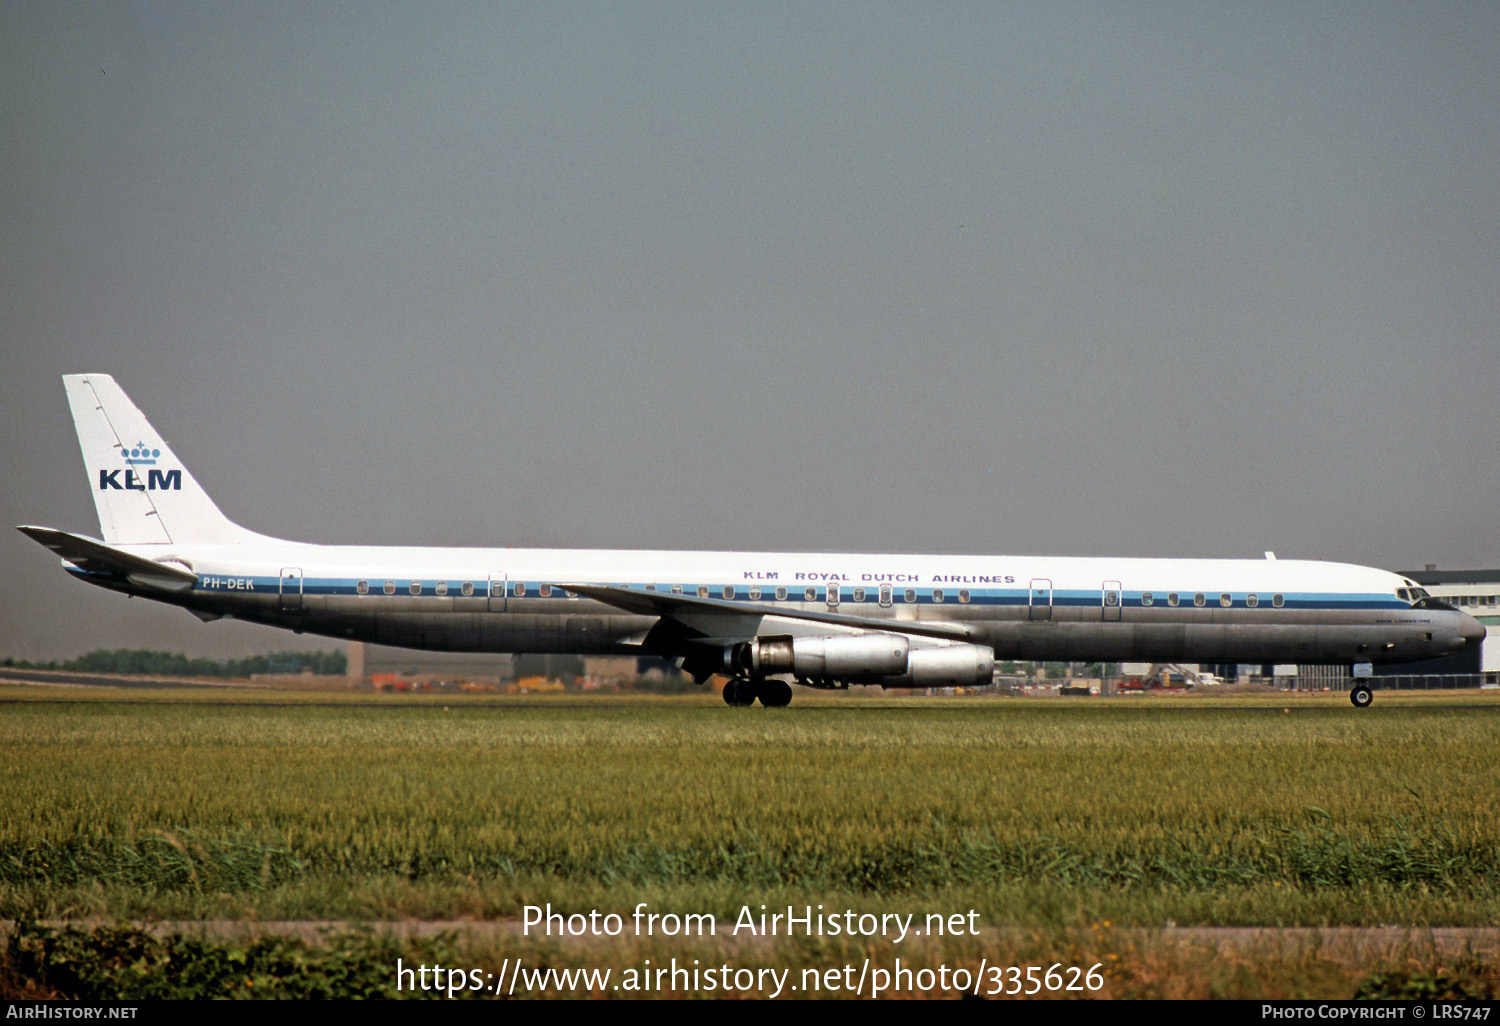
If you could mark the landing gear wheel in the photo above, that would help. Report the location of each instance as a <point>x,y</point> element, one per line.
<point>1361,696</point>
<point>775,693</point>
<point>739,691</point>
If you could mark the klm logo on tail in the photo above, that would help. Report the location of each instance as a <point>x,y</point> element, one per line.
<point>141,455</point>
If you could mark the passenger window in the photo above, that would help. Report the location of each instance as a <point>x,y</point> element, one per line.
<point>703,591</point>
<point>676,589</point>
<point>545,591</point>
<point>1199,599</point>
<point>937,594</point>
<point>1111,598</point>
<point>833,594</point>
<point>1172,598</point>
<point>363,587</point>
<point>1146,598</point>
<point>416,587</point>
<point>1252,600</point>
<point>754,593</point>
<point>497,589</point>
<point>885,594</point>
<point>909,595</point>
<point>859,594</point>
<point>811,594</point>
<point>441,587</point>
<point>519,589</point>
<point>1278,601</point>
<point>729,591</point>
<point>780,594</point>
<point>1226,600</point>
<point>468,588</point>
<point>650,587</point>
<point>963,595</point>
<point>389,587</point>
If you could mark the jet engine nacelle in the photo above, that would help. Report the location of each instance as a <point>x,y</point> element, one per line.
<point>841,657</point>
<point>951,666</point>
<point>886,659</point>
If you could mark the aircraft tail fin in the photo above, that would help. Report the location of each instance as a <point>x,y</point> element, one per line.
<point>142,492</point>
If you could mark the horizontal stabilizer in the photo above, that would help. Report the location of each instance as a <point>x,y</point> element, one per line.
<point>95,557</point>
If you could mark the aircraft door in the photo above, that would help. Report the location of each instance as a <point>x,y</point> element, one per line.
<point>1111,598</point>
<point>291,588</point>
<point>498,584</point>
<point>1041,599</point>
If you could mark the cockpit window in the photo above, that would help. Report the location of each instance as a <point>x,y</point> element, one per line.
<point>1426,601</point>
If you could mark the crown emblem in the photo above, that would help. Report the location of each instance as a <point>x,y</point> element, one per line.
<point>141,455</point>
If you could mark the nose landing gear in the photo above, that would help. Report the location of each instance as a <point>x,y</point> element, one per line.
<point>1361,696</point>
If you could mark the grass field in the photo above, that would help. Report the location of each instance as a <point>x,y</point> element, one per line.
<point>1050,817</point>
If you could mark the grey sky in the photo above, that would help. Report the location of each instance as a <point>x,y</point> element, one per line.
<point>1146,279</point>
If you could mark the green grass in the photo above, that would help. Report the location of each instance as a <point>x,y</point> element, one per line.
<point>115,963</point>
<point>128,964</point>
<point>1040,812</point>
<point>1074,828</point>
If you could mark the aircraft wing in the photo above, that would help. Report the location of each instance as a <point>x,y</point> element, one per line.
<point>722,618</point>
<point>95,557</point>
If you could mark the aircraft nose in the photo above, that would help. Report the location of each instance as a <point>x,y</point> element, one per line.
<point>1472,630</point>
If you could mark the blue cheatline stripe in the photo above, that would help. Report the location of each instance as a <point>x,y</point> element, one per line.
<point>336,586</point>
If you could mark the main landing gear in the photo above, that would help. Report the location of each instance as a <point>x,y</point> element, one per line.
<point>745,690</point>
<point>1361,696</point>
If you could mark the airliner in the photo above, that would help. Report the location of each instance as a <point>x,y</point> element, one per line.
<point>761,619</point>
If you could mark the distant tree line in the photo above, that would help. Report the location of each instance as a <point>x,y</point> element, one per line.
<point>175,664</point>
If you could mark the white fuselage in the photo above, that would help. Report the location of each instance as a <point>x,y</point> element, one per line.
<point>1045,608</point>
<point>824,618</point>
